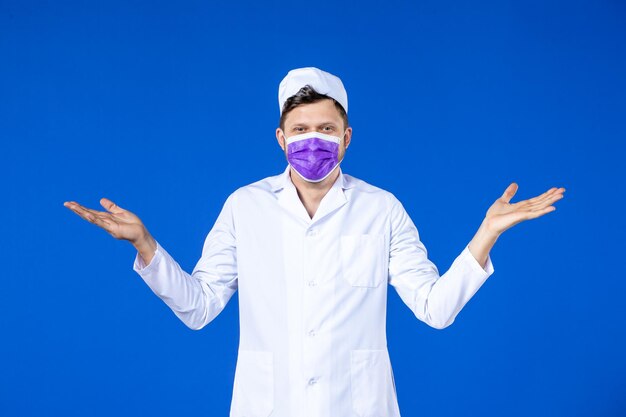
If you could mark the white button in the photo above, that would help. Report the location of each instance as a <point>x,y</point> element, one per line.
<point>312,381</point>
<point>312,232</point>
<point>312,333</point>
<point>312,283</point>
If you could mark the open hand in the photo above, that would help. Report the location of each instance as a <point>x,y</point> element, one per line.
<point>503,215</point>
<point>120,223</point>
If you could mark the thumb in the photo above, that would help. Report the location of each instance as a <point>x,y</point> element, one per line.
<point>509,192</point>
<point>111,206</point>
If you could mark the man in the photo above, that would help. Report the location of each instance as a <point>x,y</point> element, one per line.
<point>311,251</point>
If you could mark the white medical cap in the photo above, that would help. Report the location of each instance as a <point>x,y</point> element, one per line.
<point>321,81</point>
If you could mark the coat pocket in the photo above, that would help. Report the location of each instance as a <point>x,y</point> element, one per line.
<point>253,389</point>
<point>363,259</point>
<point>372,386</point>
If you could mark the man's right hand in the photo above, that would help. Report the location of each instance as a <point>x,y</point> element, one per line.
<point>120,223</point>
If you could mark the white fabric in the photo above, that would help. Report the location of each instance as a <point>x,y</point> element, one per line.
<point>323,82</point>
<point>313,294</point>
<point>308,135</point>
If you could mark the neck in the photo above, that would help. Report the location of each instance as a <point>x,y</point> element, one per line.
<point>311,193</point>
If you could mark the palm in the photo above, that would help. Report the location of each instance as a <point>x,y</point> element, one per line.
<point>120,223</point>
<point>503,215</point>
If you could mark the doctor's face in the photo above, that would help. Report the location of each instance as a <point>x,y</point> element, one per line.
<point>321,116</point>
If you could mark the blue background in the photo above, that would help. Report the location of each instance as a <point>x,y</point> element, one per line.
<point>168,107</point>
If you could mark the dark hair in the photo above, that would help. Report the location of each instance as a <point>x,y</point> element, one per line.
<point>307,95</point>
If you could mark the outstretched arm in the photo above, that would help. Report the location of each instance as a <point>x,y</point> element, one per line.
<point>195,298</point>
<point>437,299</point>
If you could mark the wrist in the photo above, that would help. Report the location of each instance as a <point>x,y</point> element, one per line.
<point>145,242</point>
<point>487,230</point>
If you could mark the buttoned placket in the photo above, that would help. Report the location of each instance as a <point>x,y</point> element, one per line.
<point>316,290</point>
<point>313,343</point>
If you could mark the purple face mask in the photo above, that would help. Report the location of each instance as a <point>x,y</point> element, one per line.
<point>313,155</point>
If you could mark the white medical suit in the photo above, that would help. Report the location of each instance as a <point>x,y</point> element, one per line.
<point>313,294</point>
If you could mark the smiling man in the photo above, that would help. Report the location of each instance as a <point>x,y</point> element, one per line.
<point>311,252</point>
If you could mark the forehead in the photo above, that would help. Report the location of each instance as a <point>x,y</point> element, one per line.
<point>322,111</point>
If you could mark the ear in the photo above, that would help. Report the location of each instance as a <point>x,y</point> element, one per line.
<point>280,137</point>
<point>348,137</point>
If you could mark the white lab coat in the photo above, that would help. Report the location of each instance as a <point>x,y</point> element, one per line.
<point>313,294</point>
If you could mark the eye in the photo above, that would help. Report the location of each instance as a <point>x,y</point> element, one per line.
<point>328,128</point>
<point>298,129</point>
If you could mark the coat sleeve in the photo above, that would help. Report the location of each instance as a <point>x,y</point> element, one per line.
<point>198,298</point>
<point>434,299</point>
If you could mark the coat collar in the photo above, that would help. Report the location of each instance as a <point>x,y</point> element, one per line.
<point>287,196</point>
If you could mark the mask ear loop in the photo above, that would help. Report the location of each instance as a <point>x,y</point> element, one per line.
<point>344,140</point>
<point>344,153</point>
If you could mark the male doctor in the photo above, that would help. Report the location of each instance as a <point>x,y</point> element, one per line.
<point>311,251</point>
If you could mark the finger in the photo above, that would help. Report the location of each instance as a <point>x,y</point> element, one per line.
<point>111,206</point>
<point>539,200</point>
<point>75,208</point>
<point>83,213</point>
<point>509,192</point>
<point>551,199</point>
<point>91,216</point>
<point>74,205</point>
<point>100,221</point>
<point>85,210</point>
<point>538,213</point>
<point>552,191</point>
<point>541,196</point>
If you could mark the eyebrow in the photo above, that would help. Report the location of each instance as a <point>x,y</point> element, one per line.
<point>319,125</point>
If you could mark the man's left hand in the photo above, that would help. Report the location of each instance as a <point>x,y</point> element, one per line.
<point>502,214</point>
